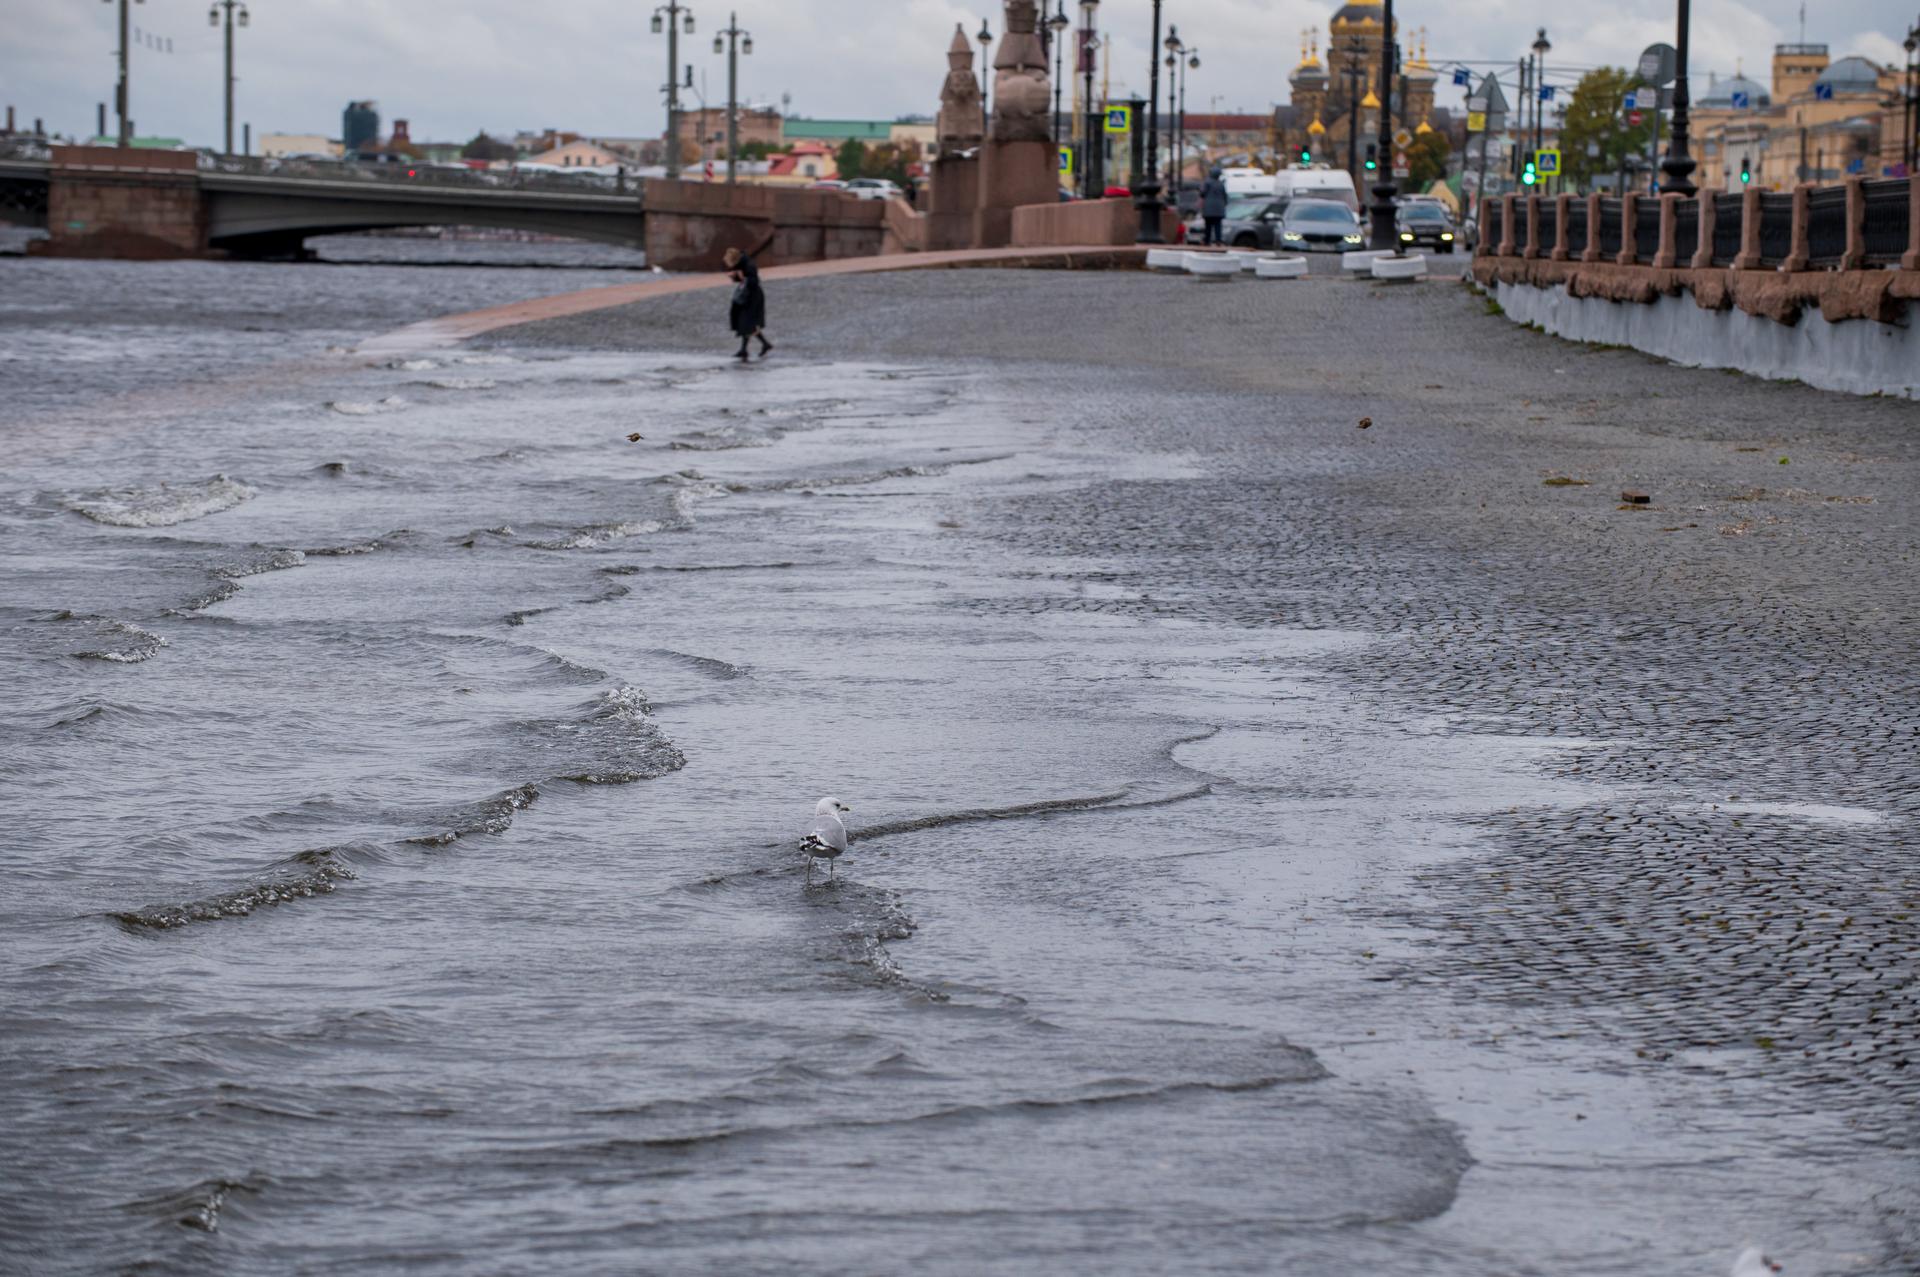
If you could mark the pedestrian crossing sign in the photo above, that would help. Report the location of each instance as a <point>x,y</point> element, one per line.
<point>1547,163</point>
<point>1119,119</point>
<point>1066,161</point>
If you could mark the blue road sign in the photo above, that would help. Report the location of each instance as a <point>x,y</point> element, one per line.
<point>1741,101</point>
<point>1546,93</point>
<point>1823,93</point>
<point>1631,102</point>
<point>1119,119</point>
<point>1462,76</point>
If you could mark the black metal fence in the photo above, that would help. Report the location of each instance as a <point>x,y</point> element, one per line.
<point>1729,224</point>
<point>1520,220</point>
<point>1686,231</point>
<point>1776,228</point>
<point>1646,230</point>
<point>1889,205</point>
<point>1549,228</point>
<point>1576,227</point>
<point>1826,225</point>
<point>1609,229</point>
<point>1490,233</point>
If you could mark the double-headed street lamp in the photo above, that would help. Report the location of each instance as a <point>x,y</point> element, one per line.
<point>672,17</point>
<point>1385,237</point>
<point>120,92</point>
<point>1146,186</point>
<point>234,8</point>
<point>733,42</point>
<point>1057,27</point>
<point>1089,52</point>
<point>1541,47</point>
<point>1174,49</point>
<point>1678,166</point>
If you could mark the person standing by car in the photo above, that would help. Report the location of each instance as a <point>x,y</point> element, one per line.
<point>747,316</point>
<point>1213,205</point>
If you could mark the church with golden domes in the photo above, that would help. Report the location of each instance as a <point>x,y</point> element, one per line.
<point>1337,101</point>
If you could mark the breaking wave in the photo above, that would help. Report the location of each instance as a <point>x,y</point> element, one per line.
<point>162,506</point>
<point>492,815</point>
<point>298,877</point>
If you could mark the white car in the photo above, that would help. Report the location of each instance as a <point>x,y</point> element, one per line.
<point>873,188</point>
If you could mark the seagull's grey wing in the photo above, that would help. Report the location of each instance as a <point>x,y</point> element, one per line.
<point>828,829</point>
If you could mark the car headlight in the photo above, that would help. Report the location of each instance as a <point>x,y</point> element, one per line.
<point>1291,235</point>
<point>1446,236</point>
<point>1407,236</point>
<point>1353,239</point>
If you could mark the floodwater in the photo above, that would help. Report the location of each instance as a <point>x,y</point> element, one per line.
<point>406,772</point>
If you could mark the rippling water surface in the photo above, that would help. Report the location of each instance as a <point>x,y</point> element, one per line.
<point>406,771</point>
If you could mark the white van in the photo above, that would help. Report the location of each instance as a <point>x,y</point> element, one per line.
<point>1247,183</point>
<point>1315,183</point>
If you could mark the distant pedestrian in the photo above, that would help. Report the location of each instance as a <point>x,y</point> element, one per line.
<point>1213,205</point>
<point>748,314</point>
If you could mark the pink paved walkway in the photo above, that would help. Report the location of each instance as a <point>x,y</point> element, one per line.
<point>450,330</point>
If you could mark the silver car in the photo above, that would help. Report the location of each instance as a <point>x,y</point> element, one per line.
<point>1319,226</point>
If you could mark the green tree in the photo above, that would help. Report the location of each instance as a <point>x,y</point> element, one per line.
<point>1596,117</point>
<point>851,159</point>
<point>887,160</point>
<point>1427,160</point>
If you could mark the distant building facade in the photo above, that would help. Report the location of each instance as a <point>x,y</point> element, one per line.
<point>359,124</point>
<point>280,145</point>
<point>1819,120</point>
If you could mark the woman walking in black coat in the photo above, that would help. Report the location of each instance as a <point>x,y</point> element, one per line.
<point>748,314</point>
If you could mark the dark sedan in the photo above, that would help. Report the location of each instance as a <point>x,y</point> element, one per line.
<point>1319,226</point>
<point>1426,225</point>
<point>1249,223</point>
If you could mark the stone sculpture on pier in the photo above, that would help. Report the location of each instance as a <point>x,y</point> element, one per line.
<point>1022,109</point>
<point>961,125</point>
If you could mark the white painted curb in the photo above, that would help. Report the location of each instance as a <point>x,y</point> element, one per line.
<point>1212,265</point>
<point>1400,268</point>
<point>1166,259</point>
<point>1360,260</point>
<point>1281,268</point>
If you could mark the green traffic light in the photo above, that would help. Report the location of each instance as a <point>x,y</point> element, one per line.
<point>1372,165</point>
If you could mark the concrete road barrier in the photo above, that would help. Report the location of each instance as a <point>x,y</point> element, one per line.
<point>1212,265</point>
<point>1168,259</point>
<point>1399,269</point>
<point>1280,268</point>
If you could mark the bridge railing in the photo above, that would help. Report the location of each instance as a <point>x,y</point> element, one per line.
<point>1858,224</point>
<point>422,174</point>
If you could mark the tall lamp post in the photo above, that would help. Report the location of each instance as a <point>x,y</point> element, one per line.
<point>1192,64</point>
<point>120,92</point>
<point>1146,188</point>
<point>1058,26</point>
<point>1909,107</point>
<point>1353,70</point>
<point>670,17</point>
<point>1541,47</point>
<point>1678,166</point>
<point>1089,53</point>
<point>1384,236</point>
<point>986,74</point>
<point>213,20</point>
<point>733,41</point>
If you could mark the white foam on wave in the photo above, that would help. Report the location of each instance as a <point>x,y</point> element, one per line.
<point>351,408</point>
<point>463,383</point>
<point>412,365</point>
<point>161,506</point>
<point>601,534</point>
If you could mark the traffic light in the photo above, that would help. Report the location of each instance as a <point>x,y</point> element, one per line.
<point>1306,155</point>
<point>1529,175</point>
<point>1746,170</point>
<point>1373,156</point>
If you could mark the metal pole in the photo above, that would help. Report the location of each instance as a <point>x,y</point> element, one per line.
<point>1093,137</point>
<point>1352,72</point>
<point>1383,193</point>
<point>1147,188</point>
<point>673,88</point>
<point>733,93</point>
<point>1679,165</point>
<point>229,7</point>
<point>1059,47</point>
<point>122,93</point>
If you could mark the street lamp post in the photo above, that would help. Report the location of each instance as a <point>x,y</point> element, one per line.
<point>1678,166</point>
<point>1146,189</point>
<point>1174,49</point>
<point>671,17</point>
<point>1353,70</point>
<point>1909,107</point>
<point>1089,51</point>
<point>1058,26</point>
<point>733,42</point>
<point>986,74</point>
<point>120,92</point>
<point>213,20</point>
<point>1541,47</point>
<point>1384,236</point>
<point>1192,64</point>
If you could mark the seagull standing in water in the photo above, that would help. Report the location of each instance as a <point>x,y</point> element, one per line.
<point>828,838</point>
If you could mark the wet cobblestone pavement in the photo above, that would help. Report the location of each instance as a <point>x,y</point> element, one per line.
<point>1732,668</point>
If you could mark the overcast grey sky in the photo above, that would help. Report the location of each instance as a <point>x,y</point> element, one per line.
<point>453,67</point>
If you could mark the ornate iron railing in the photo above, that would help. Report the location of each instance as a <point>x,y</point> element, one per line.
<point>1549,228</point>
<point>1729,210</point>
<point>1646,230</point>
<point>1576,227</point>
<point>1520,220</point>
<point>1776,228</point>
<point>1826,225</point>
<point>1609,229</point>
<point>1889,205</point>
<point>1686,231</point>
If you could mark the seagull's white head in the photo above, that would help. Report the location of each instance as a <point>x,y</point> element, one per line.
<point>830,804</point>
<point>1753,1262</point>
